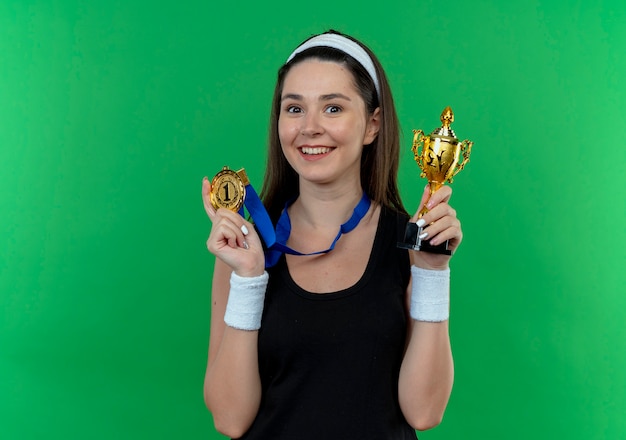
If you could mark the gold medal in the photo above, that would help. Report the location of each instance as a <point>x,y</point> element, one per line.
<point>228,189</point>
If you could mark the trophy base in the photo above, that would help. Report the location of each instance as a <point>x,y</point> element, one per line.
<point>414,242</point>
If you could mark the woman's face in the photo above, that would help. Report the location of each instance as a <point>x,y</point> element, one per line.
<point>323,123</point>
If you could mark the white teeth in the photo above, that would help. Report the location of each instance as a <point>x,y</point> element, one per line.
<point>316,150</point>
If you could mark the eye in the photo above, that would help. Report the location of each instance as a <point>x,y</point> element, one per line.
<point>293,109</point>
<point>332,109</point>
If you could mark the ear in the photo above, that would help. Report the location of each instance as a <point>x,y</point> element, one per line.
<point>372,128</point>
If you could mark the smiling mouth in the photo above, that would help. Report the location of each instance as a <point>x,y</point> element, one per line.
<point>315,150</point>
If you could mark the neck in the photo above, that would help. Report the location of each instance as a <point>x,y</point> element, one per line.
<point>321,206</point>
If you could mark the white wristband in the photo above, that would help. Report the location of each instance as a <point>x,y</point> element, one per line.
<point>245,301</point>
<point>430,294</point>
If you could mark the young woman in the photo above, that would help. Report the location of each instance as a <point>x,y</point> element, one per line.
<point>347,338</point>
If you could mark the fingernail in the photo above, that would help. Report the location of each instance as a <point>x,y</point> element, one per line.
<point>245,245</point>
<point>420,222</point>
<point>423,235</point>
<point>244,229</point>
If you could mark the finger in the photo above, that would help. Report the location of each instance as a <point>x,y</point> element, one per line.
<point>447,229</point>
<point>251,236</point>
<point>248,254</point>
<point>442,195</point>
<point>206,198</point>
<point>224,234</point>
<point>240,259</point>
<point>244,231</point>
<point>438,219</point>
<point>453,237</point>
<point>437,212</point>
<point>238,227</point>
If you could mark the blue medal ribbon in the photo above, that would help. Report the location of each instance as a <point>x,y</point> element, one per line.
<point>275,240</point>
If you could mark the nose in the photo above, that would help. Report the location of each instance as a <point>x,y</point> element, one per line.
<point>311,125</point>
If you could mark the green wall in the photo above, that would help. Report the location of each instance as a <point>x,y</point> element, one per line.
<point>112,112</point>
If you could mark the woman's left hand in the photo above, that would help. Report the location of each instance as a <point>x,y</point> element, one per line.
<point>441,225</point>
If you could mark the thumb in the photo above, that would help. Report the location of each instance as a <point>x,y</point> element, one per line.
<point>206,198</point>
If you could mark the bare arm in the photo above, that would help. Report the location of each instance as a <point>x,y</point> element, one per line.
<point>426,375</point>
<point>427,371</point>
<point>232,386</point>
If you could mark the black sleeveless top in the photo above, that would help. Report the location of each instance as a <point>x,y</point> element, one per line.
<point>329,363</point>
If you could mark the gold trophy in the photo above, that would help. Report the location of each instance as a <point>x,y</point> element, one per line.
<point>438,156</point>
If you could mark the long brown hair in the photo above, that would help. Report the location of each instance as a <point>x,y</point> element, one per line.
<point>380,159</point>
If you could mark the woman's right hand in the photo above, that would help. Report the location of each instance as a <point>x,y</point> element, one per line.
<point>233,239</point>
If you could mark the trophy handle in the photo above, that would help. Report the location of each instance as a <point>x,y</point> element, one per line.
<point>466,149</point>
<point>418,141</point>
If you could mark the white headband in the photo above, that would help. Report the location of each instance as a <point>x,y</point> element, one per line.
<point>345,45</point>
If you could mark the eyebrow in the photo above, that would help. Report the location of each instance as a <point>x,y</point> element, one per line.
<point>326,97</point>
